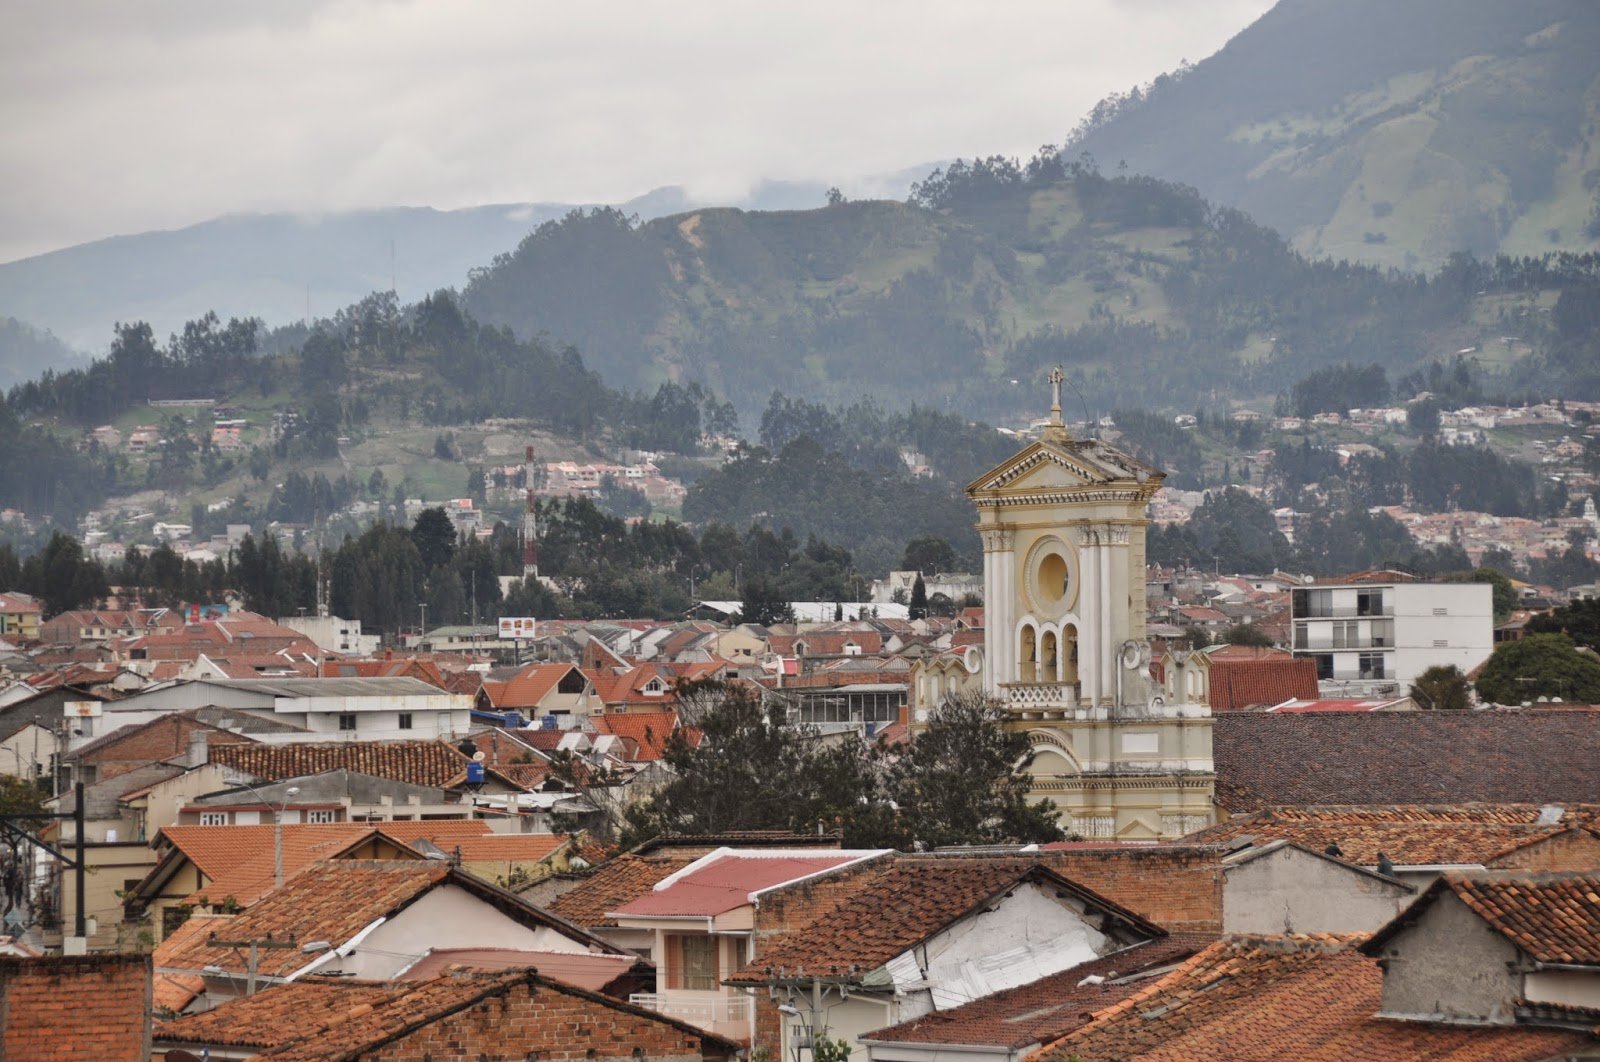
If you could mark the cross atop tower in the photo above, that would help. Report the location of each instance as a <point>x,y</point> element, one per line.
<point>1056,377</point>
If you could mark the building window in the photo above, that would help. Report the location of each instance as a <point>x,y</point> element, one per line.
<point>347,720</point>
<point>1324,665</point>
<point>1383,634</point>
<point>697,970</point>
<point>319,815</point>
<point>213,818</point>
<point>1369,603</point>
<point>173,917</point>
<point>1372,666</point>
<point>405,720</point>
<point>1346,634</point>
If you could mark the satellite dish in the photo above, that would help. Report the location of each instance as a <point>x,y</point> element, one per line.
<point>478,757</point>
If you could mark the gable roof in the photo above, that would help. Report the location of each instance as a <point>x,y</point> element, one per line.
<point>1554,918</point>
<point>1312,998</point>
<point>166,735</point>
<point>528,686</point>
<point>1530,757</point>
<point>909,900</point>
<point>323,1018</point>
<point>614,884</point>
<point>239,861</point>
<point>649,731</point>
<point>335,901</point>
<point>728,879</point>
<point>429,763</point>
<point>1047,1008</point>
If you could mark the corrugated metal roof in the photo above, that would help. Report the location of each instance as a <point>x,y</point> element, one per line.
<point>334,687</point>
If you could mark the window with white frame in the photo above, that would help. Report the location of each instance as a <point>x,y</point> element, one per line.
<point>319,815</point>
<point>213,818</point>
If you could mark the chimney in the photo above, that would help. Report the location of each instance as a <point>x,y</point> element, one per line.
<point>197,754</point>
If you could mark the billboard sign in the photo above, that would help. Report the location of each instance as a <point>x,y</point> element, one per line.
<point>516,628</point>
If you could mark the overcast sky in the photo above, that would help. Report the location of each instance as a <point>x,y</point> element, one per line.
<point>123,116</point>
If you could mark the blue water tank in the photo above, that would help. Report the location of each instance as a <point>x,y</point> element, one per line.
<point>548,722</point>
<point>514,720</point>
<point>474,773</point>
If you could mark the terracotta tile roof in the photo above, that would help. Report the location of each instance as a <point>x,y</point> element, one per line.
<point>92,1008</point>
<point>269,1019</point>
<point>508,847</point>
<point>1308,998</point>
<point>164,736</point>
<point>1238,683</point>
<point>614,884</point>
<point>1047,1008</point>
<point>649,730</point>
<point>1533,756</point>
<point>908,900</point>
<point>1408,835</point>
<point>430,763</point>
<point>332,901</point>
<point>1554,918</point>
<point>527,687</point>
<point>325,1019</point>
<point>723,881</point>
<point>391,667</point>
<point>238,861</point>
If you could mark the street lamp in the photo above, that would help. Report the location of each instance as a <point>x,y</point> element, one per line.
<point>422,606</point>
<point>277,824</point>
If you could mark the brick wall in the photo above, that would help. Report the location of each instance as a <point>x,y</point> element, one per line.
<point>148,744</point>
<point>1575,849</point>
<point>89,1009</point>
<point>1177,888</point>
<point>558,1025</point>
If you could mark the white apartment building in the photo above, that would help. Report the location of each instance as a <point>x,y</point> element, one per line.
<point>1368,635</point>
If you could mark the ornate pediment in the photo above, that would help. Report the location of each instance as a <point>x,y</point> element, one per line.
<point>1067,466</point>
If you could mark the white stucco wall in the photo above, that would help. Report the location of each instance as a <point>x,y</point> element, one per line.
<point>447,917</point>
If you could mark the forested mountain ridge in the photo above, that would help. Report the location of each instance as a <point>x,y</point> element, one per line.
<point>994,271</point>
<point>1383,132</point>
<point>281,267</point>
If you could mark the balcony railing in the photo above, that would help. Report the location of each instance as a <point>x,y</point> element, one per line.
<point>1042,694</point>
<point>1346,612</point>
<point>704,1011</point>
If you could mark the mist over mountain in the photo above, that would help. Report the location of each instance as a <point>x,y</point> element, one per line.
<point>1384,132</point>
<point>286,267</point>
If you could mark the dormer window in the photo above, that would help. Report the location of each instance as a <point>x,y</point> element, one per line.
<point>654,688</point>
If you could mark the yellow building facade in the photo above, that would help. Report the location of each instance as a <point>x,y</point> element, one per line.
<point>1063,526</point>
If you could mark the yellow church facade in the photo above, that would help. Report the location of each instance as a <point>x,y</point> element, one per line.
<point>1065,651</point>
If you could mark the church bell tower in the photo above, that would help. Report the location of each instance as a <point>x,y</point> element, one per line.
<point>1063,526</point>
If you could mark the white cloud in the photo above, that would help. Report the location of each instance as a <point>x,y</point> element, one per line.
<point>124,117</point>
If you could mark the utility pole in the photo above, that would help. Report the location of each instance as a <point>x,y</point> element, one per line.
<point>252,965</point>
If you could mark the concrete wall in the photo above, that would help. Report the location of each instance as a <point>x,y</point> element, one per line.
<point>1450,965</point>
<point>1288,890</point>
<point>1571,988</point>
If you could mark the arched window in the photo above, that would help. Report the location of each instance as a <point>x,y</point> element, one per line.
<point>1028,657</point>
<point>1069,662</point>
<point>1049,662</point>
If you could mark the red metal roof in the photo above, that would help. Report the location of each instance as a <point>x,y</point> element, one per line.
<point>724,881</point>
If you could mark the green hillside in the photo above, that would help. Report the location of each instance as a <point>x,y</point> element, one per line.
<point>1383,132</point>
<point>992,273</point>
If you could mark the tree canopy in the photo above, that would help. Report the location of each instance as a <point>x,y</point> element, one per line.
<point>1540,665</point>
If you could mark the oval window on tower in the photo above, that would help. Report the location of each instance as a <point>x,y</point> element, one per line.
<point>1053,578</point>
